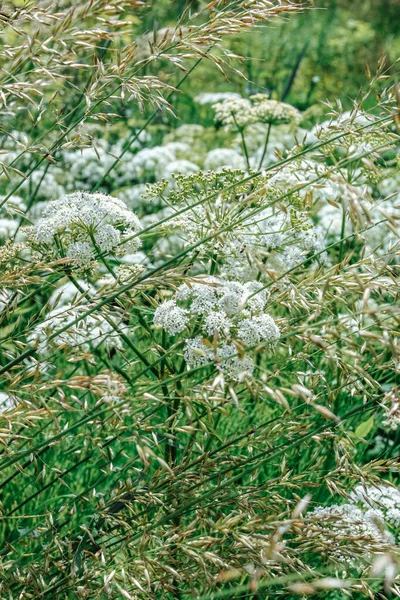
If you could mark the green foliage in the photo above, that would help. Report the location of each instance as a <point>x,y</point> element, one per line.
<point>204,403</point>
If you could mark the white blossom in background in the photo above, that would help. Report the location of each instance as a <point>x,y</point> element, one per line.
<point>180,150</point>
<point>214,97</point>
<point>8,227</point>
<point>218,158</point>
<point>187,141</point>
<point>6,403</point>
<point>86,166</point>
<point>274,111</point>
<point>391,408</point>
<point>361,135</point>
<point>384,211</point>
<point>383,498</point>
<point>10,211</point>
<point>235,113</point>
<point>76,224</point>
<point>44,184</point>
<point>149,163</point>
<point>228,310</point>
<point>348,533</point>
<point>68,294</point>
<point>6,296</point>
<point>239,113</point>
<point>182,166</point>
<point>12,207</point>
<point>92,330</point>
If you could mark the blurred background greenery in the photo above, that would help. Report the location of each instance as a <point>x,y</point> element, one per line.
<point>308,58</point>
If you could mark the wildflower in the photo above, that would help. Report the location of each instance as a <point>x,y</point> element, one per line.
<point>68,293</point>
<point>170,317</point>
<point>149,164</point>
<point>261,328</point>
<point>391,407</point>
<point>234,113</point>
<point>348,533</point>
<point>228,312</point>
<point>212,98</point>
<point>218,158</point>
<point>273,111</point>
<point>71,224</point>
<point>196,353</point>
<point>383,497</point>
<point>6,403</point>
<point>92,330</point>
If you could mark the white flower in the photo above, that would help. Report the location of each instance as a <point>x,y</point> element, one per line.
<point>7,228</point>
<point>235,113</point>
<point>226,308</point>
<point>170,317</point>
<point>391,407</point>
<point>182,166</point>
<point>6,403</point>
<point>67,293</point>
<point>48,185</point>
<point>107,238</point>
<point>196,354</point>
<point>261,328</point>
<point>339,525</point>
<point>274,111</point>
<point>216,322</point>
<point>213,97</point>
<point>81,252</point>
<point>87,166</point>
<point>73,221</point>
<point>93,330</point>
<point>219,158</point>
<point>232,297</point>
<point>385,498</point>
<point>233,366</point>
<point>203,295</point>
<point>148,163</point>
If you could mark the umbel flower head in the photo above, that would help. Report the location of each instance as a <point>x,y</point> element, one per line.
<point>238,113</point>
<point>227,315</point>
<point>273,111</point>
<point>91,331</point>
<point>77,225</point>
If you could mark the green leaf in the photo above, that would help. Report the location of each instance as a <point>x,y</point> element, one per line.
<point>364,428</point>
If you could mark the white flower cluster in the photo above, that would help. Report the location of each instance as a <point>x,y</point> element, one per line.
<point>9,215</point>
<point>44,184</point>
<point>382,498</point>
<point>273,111</point>
<point>361,136</point>
<point>391,407</point>
<point>181,166</point>
<point>218,158</point>
<point>67,294</point>
<point>226,312</point>
<point>213,97</point>
<point>92,330</point>
<point>340,525</point>
<point>6,403</point>
<point>75,224</point>
<point>370,519</point>
<point>86,166</point>
<point>244,237</point>
<point>149,164</point>
<point>234,113</point>
<point>239,113</point>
